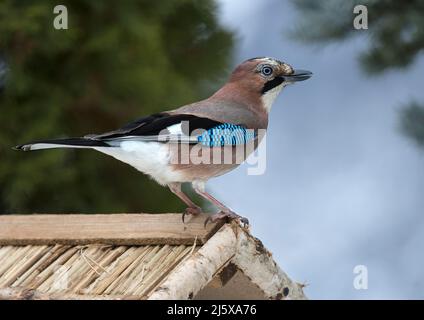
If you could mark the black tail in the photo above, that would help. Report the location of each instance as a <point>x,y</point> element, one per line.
<point>61,143</point>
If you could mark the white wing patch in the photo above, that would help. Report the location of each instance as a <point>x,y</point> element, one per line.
<point>174,134</point>
<point>175,129</point>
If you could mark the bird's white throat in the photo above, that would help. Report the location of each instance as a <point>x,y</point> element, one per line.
<point>269,97</point>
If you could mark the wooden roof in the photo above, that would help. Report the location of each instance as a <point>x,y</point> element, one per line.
<point>131,256</point>
<point>92,270</point>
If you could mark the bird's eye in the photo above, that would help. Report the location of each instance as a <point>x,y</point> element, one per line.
<point>266,71</point>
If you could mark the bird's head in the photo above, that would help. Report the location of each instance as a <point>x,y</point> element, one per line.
<point>264,78</point>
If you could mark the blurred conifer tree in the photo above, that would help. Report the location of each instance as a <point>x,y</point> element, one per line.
<point>395,36</point>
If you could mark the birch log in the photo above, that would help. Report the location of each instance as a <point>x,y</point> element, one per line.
<point>256,263</point>
<point>198,269</point>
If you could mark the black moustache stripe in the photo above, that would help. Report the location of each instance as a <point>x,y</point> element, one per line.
<point>272,84</point>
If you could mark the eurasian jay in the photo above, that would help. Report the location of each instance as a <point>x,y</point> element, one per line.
<point>167,146</point>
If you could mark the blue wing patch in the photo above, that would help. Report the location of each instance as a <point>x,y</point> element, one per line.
<point>226,134</point>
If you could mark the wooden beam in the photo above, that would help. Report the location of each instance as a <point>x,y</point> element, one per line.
<point>114,229</point>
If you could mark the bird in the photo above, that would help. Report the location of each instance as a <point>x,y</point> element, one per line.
<point>167,145</point>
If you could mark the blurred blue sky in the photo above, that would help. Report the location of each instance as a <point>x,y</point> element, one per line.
<point>343,186</point>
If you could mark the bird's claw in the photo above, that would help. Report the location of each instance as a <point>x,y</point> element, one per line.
<point>230,215</point>
<point>192,211</point>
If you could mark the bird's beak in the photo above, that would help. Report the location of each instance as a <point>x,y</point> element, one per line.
<point>298,75</point>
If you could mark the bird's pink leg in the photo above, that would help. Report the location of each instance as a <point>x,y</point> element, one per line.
<point>225,211</point>
<point>192,207</point>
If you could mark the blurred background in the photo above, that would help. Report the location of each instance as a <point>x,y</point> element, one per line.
<point>344,184</point>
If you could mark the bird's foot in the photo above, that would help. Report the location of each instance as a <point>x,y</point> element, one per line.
<point>191,211</point>
<point>228,215</point>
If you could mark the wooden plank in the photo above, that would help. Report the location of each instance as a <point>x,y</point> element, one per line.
<point>114,229</point>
